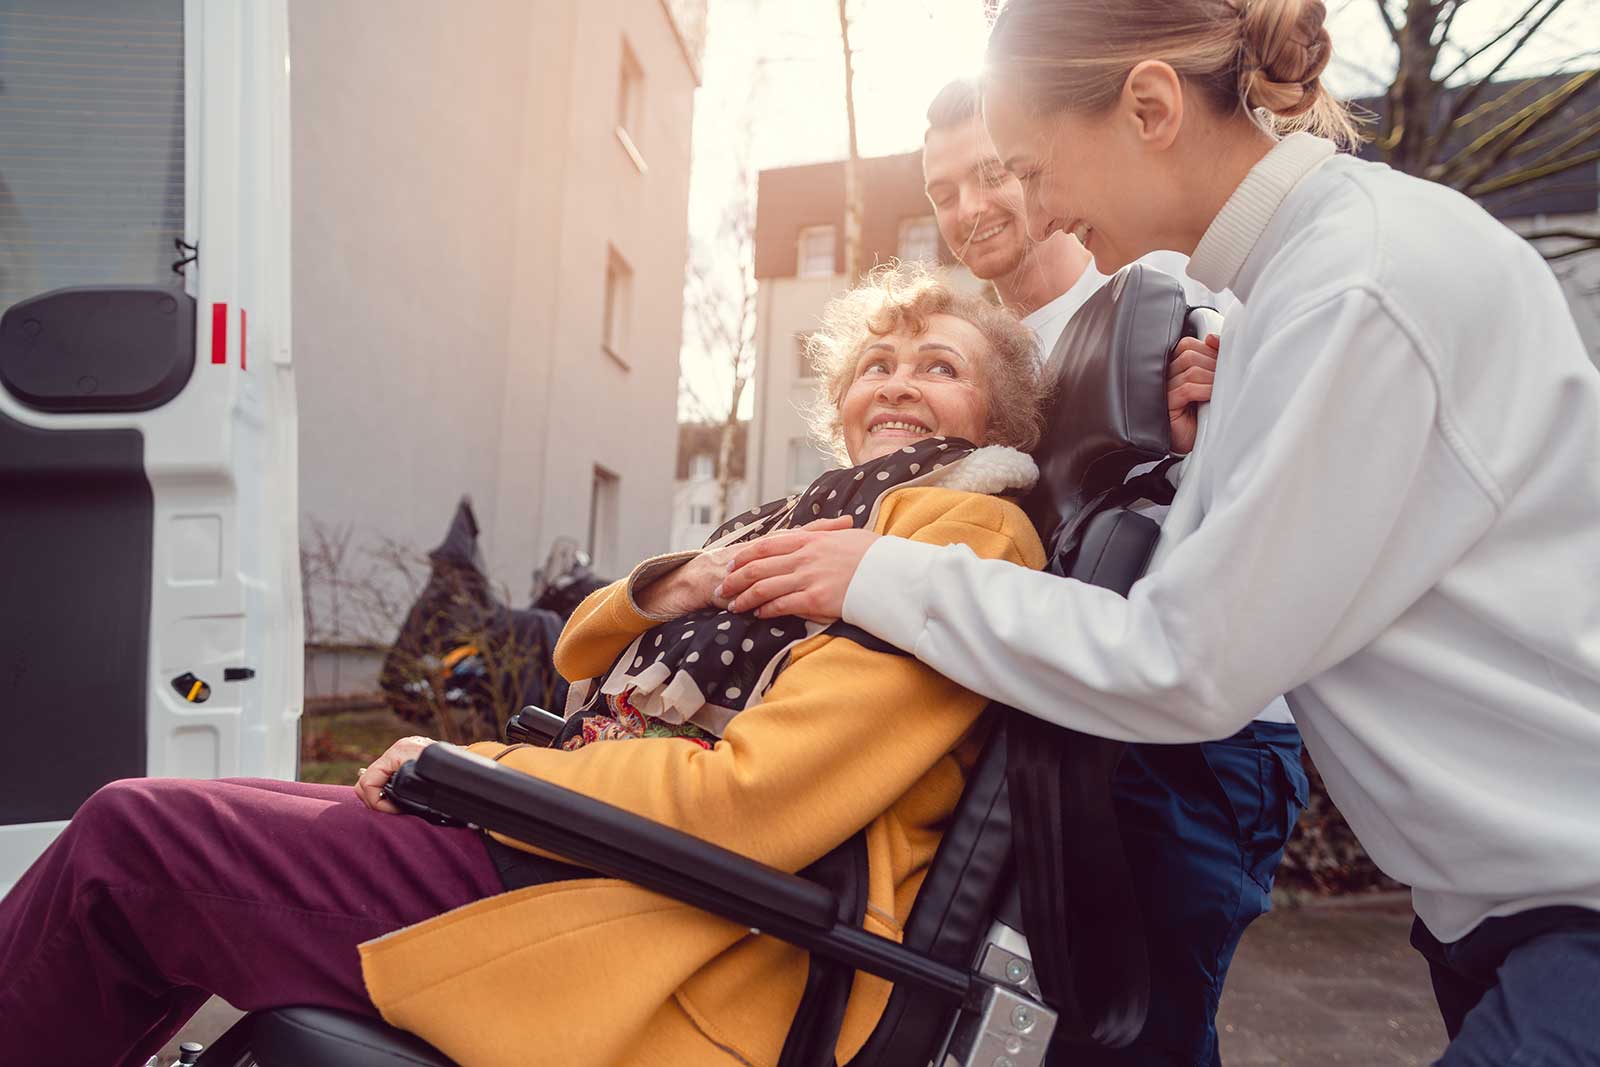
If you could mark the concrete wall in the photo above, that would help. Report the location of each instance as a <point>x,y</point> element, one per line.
<point>458,183</point>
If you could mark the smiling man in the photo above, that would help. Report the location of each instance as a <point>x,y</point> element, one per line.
<point>978,206</point>
<point>1203,825</point>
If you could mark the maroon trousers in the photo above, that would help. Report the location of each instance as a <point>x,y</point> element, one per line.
<point>164,891</point>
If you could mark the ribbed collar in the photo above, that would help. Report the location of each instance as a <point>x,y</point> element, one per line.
<point>1227,242</point>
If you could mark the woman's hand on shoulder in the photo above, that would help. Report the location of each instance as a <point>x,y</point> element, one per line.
<point>373,777</point>
<point>803,572</point>
<point>1190,374</point>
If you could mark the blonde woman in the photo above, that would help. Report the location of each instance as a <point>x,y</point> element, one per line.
<point>1392,516</point>
<point>777,738</point>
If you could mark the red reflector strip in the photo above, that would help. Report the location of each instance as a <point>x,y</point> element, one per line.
<point>243,333</point>
<point>219,333</point>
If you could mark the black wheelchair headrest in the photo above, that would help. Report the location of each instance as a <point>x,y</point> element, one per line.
<point>1108,410</point>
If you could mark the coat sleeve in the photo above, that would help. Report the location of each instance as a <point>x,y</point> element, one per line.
<point>608,620</point>
<point>842,734</point>
<point>1316,537</point>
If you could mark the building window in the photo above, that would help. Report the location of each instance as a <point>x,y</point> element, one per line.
<point>630,106</point>
<point>700,514</point>
<point>802,356</point>
<point>805,463</point>
<point>605,494</point>
<point>919,240</point>
<point>618,307</point>
<point>702,466</point>
<point>816,252</point>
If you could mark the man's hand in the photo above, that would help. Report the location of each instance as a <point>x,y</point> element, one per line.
<point>370,782</point>
<point>797,572</point>
<point>1190,374</point>
<point>693,586</point>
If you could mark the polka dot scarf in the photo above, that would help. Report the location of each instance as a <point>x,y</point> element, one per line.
<point>692,675</point>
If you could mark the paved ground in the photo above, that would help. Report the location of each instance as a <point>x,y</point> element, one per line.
<point>1321,985</point>
<point>1310,986</point>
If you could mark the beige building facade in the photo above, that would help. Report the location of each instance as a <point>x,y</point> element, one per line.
<point>490,229</point>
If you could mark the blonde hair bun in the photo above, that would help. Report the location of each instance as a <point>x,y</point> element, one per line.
<point>1262,58</point>
<point>1284,48</point>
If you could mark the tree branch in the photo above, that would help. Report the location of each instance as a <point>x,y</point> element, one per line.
<point>1471,94</point>
<point>1587,242</point>
<point>1445,24</point>
<point>1530,174</point>
<point>1528,145</point>
<point>1484,152</point>
<point>1388,21</point>
<point>1508,30</point>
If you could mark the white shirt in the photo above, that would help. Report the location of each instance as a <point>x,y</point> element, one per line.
<point>1050,321</point>
<point>1395,520</point>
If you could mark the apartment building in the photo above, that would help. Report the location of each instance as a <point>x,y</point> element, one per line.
<point>799,254</point>
<point>697,507</point>
<point>490,230</point>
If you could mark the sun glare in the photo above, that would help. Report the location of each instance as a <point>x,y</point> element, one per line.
<point>908,52</point>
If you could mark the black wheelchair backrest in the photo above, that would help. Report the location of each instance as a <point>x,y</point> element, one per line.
<point>1108,408</point>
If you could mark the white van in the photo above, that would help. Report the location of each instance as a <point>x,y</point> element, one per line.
<point>150,619</point>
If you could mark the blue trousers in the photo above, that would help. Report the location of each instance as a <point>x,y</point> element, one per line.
<point>1204,828</point>
<point>1519,991</point>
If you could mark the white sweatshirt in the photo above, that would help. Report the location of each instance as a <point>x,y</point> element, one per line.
<point>1394,517</point>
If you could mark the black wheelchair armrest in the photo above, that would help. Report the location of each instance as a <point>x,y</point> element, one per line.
<point>451,782</point>
<point>605,838</point>
<point>534,726</point>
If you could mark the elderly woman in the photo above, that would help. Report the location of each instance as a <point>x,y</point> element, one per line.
<point>774,737</point>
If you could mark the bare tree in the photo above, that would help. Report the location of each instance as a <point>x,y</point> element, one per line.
<point>720,295</point>
<point>853,190</point>
<point>1447,118</point>
<point>465,668</point>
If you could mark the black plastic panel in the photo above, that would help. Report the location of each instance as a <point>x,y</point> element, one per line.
<point>76,527</point>
<point>1109,375</point>
<point>98,348</point>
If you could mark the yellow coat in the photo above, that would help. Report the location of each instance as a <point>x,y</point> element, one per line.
<point>600,972</point>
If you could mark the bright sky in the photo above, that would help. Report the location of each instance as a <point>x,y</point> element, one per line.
<point>774,77</point>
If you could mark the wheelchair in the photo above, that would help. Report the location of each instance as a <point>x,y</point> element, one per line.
<point>1025,939</point>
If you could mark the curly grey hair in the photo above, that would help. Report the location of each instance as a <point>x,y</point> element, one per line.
<point>901,296</point>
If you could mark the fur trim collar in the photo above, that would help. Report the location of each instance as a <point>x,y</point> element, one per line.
<point>992,469</point>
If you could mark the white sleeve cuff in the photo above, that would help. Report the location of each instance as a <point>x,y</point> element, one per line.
<point>887,596</point>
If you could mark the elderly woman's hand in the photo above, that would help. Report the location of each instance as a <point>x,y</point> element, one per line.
<point>370,782</point>
<point>1190,374</point>
<point>798,572</point>
<point>687,588</point>
<point>694,585</point>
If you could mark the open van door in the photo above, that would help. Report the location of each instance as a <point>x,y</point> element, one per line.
<point>150,618</point>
